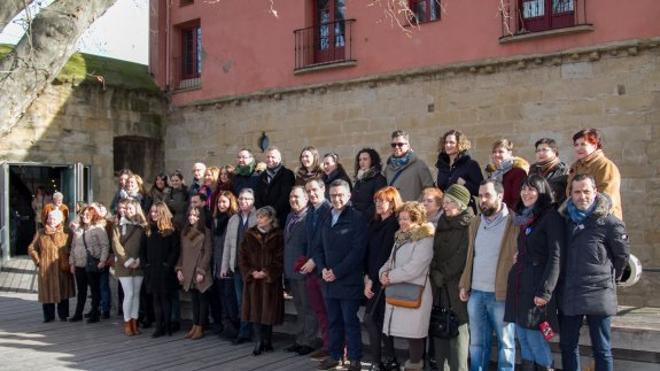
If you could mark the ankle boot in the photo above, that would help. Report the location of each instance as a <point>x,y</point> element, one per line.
<point>198,334</point>
<point>267,338</point>
<point>191,332</point>
<point>128,331</point>
<point>526,365</point>
<point>135,327</point>
<point>542,368</point>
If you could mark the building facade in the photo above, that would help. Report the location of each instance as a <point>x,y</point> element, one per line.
<point>341,75</point>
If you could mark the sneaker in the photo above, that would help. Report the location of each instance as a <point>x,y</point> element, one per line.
<point>319,355</point>
<point>328,363</point>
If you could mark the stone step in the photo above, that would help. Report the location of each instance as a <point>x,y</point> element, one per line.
<point>18,274</point>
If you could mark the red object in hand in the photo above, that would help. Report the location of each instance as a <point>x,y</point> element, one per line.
<point>298,264</point>
<point>546,330</point>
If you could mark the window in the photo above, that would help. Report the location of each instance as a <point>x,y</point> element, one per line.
<point>186,2</point>
<point>541,15</point>
<point>191,52</point>
<point>425,10</point>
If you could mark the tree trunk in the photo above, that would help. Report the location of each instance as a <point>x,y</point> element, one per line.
<point>41,53</point>
<point>10,9</point>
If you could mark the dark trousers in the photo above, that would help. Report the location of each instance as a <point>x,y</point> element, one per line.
<point>263,333</point>
<point>223,300</point>
<point>84,280</point>
<point>62,310</point>
<point>599,332</point>
<point>416,349</point>
<point>106,294</point>
<point>175,312</point>
<point>317,302</point>
<point>200,307</point>
<point>147,315</point>
<point>344,324</point>
<point>374,324</point>
<point>120,299</point>
<point>163,309</point>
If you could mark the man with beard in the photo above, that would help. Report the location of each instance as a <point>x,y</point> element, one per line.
<point>483,285</point>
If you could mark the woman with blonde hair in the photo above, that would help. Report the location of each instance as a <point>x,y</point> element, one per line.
<point>432,200</point>
<point>158,258</point>
<point>210,183</point>
<point>408,268</point>
<point>127,242</point>
<point>310,165</point>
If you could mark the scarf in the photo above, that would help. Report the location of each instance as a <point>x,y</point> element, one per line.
<point>577,215</point>
<point>363,174</point>
<point>123,222</point>
<point>246,170</point>
<point>525,217</point>
<point>221,221</point>
<point>399,162</point>
<point>504,168</point>
<point>499,218</point>
<point>544,168</point>
<point>270,173</point>
<point>264,230</point>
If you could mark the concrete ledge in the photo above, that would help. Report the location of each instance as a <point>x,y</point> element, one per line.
<point>544,34</point>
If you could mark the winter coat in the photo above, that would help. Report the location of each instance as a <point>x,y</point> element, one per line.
<point>606,174</point>
<point>275,193</point>
<point>97,242</point>
<point>125,247</point>
<point>512,180</point>
<point>504,260</point>
<point>49,251</point>
<point>362,196</point>
<point>195,258</point>
<point>302,176</point>
<point>263,299</point>
<point>178,202</point>
<point>295,246</point>
<point>409,263</point>
<point>536,270</point>
<point>218,234</point>
<point>556,177</point>
<point>450,246</point>
<point>414,177</point>
<point>240,182</point>
<point>342,248</point>
<point>232,243</point>
<point>380,242</point>
<point>157,195</point>
<point>463,167</point>
<point>593,259</point>
<point>315,219</point>
<point>158,257</point>
<point>338,173</point>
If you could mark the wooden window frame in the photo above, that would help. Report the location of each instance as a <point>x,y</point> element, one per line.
<point>190,54</point>
<point>549,20</point>
<point>412,4</point>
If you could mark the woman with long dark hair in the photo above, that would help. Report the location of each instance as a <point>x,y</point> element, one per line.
<point>368,180</point>
<point>179,199</point>
<point>530,300</point>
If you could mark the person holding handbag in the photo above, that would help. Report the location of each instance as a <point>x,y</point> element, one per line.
<point>408,294</point>
<point>530,300</point>
<point>449,253</point>
<point>89,252</point>
<point>381,232</point>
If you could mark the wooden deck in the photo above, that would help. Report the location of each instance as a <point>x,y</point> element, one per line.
<point>28,344</point>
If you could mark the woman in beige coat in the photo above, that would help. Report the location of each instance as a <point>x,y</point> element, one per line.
<point>409,263</point>
<point>194,269</point>
<point>49,251</point>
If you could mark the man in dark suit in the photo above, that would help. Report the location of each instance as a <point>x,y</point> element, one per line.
<point>274,185</point>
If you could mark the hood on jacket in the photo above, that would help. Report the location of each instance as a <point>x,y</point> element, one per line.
<point>421,232</point>
<point>461,220</point>
<point>443,159</point>
<point>602,209</point>
<point>518,162</point>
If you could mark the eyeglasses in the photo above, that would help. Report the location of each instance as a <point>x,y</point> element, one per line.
<point>394,145</point>
<point>246,199</point>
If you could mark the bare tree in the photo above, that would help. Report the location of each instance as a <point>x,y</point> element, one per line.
<point>49,41</point>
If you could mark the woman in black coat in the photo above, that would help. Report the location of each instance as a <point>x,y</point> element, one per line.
<point>333,170</point>
<point>455,166</point>
<point>381,239</point>
<point>549,166</point>
<point>158,257</point>
<point>530,301</point>
<point>368,180</point>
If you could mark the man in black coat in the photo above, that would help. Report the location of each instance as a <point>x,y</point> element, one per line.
<point>340,260</point>
<point>596,252</point>
<point>274,185</point>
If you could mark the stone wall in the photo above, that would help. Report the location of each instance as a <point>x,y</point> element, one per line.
<point>77,123</point>
<point>615,88</point>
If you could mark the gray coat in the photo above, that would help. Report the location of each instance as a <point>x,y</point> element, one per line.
<point>230,248</point>
<point>415,176</point>
<point>295,246</point>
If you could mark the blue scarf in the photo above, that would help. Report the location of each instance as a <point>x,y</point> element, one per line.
<point>398,162</point>
<point>577,215</point>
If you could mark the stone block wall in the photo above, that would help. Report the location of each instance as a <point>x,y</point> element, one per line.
<point>615,88</point>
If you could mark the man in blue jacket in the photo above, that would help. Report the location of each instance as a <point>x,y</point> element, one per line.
<point>594,256</point>
<point>339,259</point>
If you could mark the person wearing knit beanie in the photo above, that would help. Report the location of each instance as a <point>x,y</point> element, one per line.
<point>459,194</point>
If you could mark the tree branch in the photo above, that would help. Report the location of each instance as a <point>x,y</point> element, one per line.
<point>10,9</point>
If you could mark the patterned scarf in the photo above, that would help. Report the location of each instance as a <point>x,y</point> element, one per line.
<point>545,167</point>
<point>577,215</point>
<point>399,162</point>
<point>504,168</point>
<point>246,170</point>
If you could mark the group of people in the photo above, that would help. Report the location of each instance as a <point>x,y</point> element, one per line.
<point>519,251</point>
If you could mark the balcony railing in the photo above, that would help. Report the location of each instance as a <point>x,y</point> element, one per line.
<point>526,16</point>
<point>324,44</point>
<point>182,81</point>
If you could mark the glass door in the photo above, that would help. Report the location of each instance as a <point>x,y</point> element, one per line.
<point>329,21</point>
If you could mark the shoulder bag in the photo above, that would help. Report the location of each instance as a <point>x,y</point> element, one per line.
<point>92,264</point>
<point>404,294</point>
<point>444,324</point>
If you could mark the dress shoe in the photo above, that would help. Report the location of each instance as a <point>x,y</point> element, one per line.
<point>354,365</point>
<point>88,314</point>
<point>240,340</point>
<point>76,318</point>
<point>327,364</point>
<point>391,364</point>
<point>319,355</point>
<point>268,347</point>
<point>105,315</point>
<point>46,320</point>
<point>175,326</point>
<point>93,319</point>
<point>304,350</point>
<point>158,333</point>
<point>293,348</point>
<point>258,348</point>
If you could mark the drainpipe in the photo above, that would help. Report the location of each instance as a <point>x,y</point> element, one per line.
<point>168,45</point>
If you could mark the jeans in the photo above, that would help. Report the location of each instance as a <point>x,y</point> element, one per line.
<point>245,329</point>
<point>106,295</point>
<point>534,347</point>
<point>599,332</point>
<point>487,314</point>
<point>344,325</point>
<point>131,303</point>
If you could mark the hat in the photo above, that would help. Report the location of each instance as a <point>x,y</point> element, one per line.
<point>459,194</point>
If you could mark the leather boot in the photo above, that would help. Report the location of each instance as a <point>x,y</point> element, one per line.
<point>191,332</point>
<point>135,327</point>
<point>198,334</point>
<point>526,365</point>
<point>128,331</point>
<point>410,366</point>
<point>542,368</point>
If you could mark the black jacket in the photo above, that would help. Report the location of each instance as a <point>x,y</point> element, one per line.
<point>380,243</point>
<point>275,193</point>
<point>240,182</point>
<point>536,270</point>
<point>463,167</point>
<point>338,173</point>
<point>593,259</point>
<point>557,178</point>
<point>158,258</point>
<point>362,196</point>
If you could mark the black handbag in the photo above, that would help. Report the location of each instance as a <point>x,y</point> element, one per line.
<point>92,263</point>
<point>444,324</point>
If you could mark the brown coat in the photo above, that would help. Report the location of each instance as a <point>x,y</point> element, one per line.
<point>50,252</point>
<point>126,247</point>
<point>606,174</point>
<point>195,257</point>
<point>504,261</point>
<point>263,300</point>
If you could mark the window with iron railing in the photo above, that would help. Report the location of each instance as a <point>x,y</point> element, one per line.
<point>425,10</point>
<point>535,16</point>
<point>188,67</point>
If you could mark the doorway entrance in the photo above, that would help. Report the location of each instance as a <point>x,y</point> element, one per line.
<point>18,185</point>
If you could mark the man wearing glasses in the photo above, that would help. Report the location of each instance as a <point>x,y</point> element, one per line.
<point>404,170</point>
